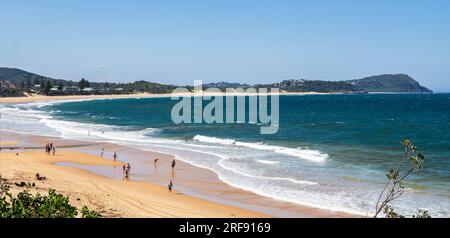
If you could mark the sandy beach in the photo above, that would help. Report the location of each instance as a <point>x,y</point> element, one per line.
<point>39,98</point>
<point>112,198</point>
<point>76,169</point>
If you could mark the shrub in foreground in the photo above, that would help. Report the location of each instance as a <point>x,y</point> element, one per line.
<point>26,205</point>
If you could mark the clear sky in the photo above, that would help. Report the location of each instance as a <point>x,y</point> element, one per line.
<point>243,41</point>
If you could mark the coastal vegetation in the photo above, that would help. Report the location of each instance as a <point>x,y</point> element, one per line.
<point>394,188</point>
<point>26,205</point>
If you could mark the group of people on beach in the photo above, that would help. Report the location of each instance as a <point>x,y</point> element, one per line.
<point>50,149</point>
<point>173,164</point>
<point>126,168</point>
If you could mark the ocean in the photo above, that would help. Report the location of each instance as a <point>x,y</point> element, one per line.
<point>331,151</point>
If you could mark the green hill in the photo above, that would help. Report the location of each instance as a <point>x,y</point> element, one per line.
<point>399,83</point>
<point>395,83</point>
<point>18,76</point>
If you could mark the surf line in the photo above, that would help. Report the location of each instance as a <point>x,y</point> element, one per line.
<point>209,107</point>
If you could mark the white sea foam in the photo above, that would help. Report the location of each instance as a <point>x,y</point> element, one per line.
<point>261,161</point>
<point>295,181</point>
<point>306,154</point>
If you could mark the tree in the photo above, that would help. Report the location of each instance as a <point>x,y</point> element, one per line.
<point>60,86</point>
<point>29,86</point>
<point>22,85</point>
<point>48,86</point>
<point>394,188</point>
<point>82,84</point>
<point>42,84</point>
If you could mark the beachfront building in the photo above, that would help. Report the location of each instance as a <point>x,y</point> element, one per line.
<point>71,89</point>
<point>36,88</point>
<point>88,90</point>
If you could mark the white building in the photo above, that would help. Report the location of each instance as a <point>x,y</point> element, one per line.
<point>71,89</point>
<point>88,90</point>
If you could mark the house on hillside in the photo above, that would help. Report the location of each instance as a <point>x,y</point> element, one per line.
<point>88,90</point>
<point>54,89</point>
<point>71,89</point>
<point>36,88</point>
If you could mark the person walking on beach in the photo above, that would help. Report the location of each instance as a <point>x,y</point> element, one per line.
<point>124,169</point>
<point>170,186</point>
<point>54,151</point>
<point>46,148</point>
<point>127,171</point>
<point>173,164</point>
<point>115,156</point>
<point>101,155</point>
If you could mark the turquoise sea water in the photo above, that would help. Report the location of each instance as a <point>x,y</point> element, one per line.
<point>332,151</point>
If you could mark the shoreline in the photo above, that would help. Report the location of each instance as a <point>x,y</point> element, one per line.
<point>195,182</point>
<point>41,98</point>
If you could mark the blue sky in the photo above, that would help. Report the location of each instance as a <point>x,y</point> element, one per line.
<point>247,41</point>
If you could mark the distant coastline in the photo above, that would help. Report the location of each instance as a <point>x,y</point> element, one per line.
<point>20,83</point>
<point>39,98</point>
